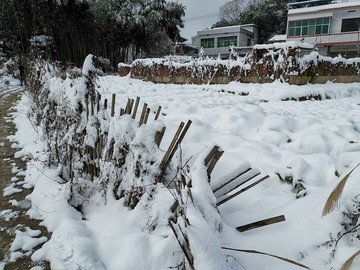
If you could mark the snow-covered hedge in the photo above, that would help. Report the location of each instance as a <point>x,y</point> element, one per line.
<point>102,158</point>
<point>265,64</point>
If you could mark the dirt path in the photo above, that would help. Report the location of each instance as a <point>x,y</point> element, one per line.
<point>13,217</point>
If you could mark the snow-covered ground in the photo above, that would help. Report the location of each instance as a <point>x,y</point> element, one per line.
<point>317,142</point>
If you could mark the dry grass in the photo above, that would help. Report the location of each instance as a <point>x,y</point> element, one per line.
<point>334,198</point>
<point>268,254</point>
<point>348,263</point>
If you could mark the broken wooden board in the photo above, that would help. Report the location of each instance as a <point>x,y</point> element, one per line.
<point>233,180</point>
<point>261,223</point>
<point>224,200</point>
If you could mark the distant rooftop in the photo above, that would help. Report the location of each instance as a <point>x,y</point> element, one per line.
<point>317,5</point>
<point>310,3</point>
<point>231,28</point>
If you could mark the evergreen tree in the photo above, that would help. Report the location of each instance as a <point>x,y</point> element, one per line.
<point>114,29</point>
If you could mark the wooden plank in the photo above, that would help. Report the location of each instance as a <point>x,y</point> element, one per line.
<point>136,107</point>
<point>232,179</point>
<point>122,111</point>
<point>105,104</point>
<point>261,223</point>
<point>235,187</point>
<point>157,113</point>
<point>241,191</point>
<point>113,97</point>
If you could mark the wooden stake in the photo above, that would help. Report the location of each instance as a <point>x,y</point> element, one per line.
<point>157,113</point>
<point>131,105</point>
<point>143,114</point>
<point>98,98</point>
<point>92,106</point>
<point>184,246</point>
<point>166,156</point>
<point>136,107</point>
<point>122,111</point>
<point>159,135</point>
<point>113,97</point>
<point>127,106</point>
<point>105,104</point>
<point>146,115</point>
<point>261,223</point>
<point>181,137</point>
<point>241,191</point>
<point>213,162</point>
<point>211,154</point>
<point>87,107</point>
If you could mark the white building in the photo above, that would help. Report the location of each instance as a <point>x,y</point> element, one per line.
<point>332,26</point>
<point>218,40</point>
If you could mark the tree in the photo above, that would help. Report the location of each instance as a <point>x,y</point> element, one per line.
<point>114,29</point>
<point>231,11</point>
<point>269,15</point>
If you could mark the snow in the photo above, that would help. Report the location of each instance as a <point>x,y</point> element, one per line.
<point>9,190</point>
<point>88,65</point>
<point>317,142</point>
<point>8,214</point>
<point>27,240</point>
<point>284,45</point>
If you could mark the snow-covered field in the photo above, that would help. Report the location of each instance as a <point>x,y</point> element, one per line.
<point>315,142</point>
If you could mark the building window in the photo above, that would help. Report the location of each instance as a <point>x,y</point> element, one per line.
<point>207,43</point>
<point>226,41</point>
<point>309,27</point>
<point>350,25</point>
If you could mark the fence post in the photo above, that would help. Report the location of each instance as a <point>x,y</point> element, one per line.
<point>113,97</point>
<point>157,113</point>
<point>143,114</point>
<point>136,107</point>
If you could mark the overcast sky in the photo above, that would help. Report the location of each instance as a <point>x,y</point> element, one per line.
<point>199,14</point>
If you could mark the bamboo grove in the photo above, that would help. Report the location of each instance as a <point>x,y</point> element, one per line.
<point>68,30</point>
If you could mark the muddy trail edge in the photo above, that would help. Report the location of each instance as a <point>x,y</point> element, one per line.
<point>14,222</point>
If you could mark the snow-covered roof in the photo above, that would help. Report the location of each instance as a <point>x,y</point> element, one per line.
<point>278,45</point>
<point>278,38</point>
<point>232,28</point>
<point>334,6</point>
<point>235,26</point>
